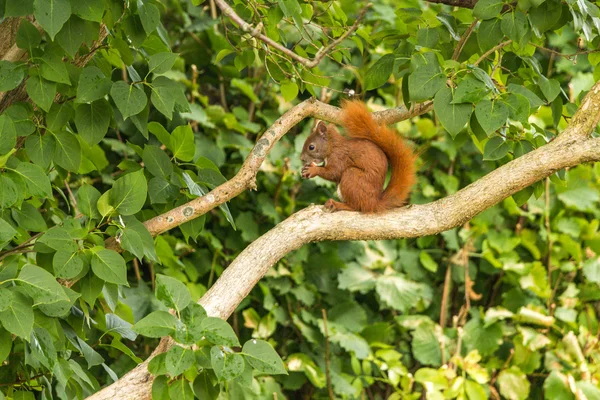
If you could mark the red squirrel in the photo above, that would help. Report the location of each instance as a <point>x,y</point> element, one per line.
<point>359,163</point>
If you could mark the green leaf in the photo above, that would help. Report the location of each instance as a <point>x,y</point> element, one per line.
<point>182,143</point>
<point>51,14</point>
<point>453,117</point>
<point>192,317</point>
<point>549,87</point>
<point>518,107</point>
<point>28,36</point>
<point>489,34</point>
<point>6,342</point>
<point>90,10</point>
<point>486,9</point>
<point>470,90</point>
<point>425,345</point>
<point>7,232</point>
<point>427,78</point>
<point>41,91</point>
<point>150,17</point>
<point>534,100</point>
<point>402,294</point>
<point>172,292</point>
<point>516,27</point>
<point>58,238</point>
<point>67,153</point>
<point>128,193</point>
<point>11,75</point>
<point>42,347</point>
<point>495,149</point>
<point>219,332</point>
<point>130,99</point>
<point>40,149</point>
<point>544,17</point>
<point>21,119</point>
<point>161,191</point>
<point>157,161</point>
<point>6,298</point>
<point>428,262</point>
<point>485,339</point>
<point>289,90</point>
<point>93,85</point>
<point>8,136</point>
<point>87,198</point>
<point>160,63</point>
<point>491,115</point>
<point>67,264</point>
<point>156,324</point>
<point>245,88</point>
<point>132,242</point>
<point>109,266</point>
<point>59,116</point>
<point>41,285</point>
<point>16,8</point>
<point>225,364</point>
<point>263,358</point>
<point>162,97</point>
<point>53,69</point>
<point>29,218</point>
<point>116,324</point>
<point>181,390</point>
<point>513,384</point>
<point>557,387</point>
<point>36,180</point>
<point>378,74</point>
<point>591,270</point>
<point>92,121</point>
<point>18,317</point>
<point>72,35</point>
<point>179,360</point>
<point>8,192</point>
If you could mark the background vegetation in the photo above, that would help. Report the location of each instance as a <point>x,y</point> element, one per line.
<point>116,112</point>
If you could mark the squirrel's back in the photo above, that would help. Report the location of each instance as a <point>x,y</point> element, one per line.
<point>359,123</point>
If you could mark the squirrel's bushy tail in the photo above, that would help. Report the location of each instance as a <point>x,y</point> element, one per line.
<point>359,123</point>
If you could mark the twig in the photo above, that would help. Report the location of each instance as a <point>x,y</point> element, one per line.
<point>327,355</point>
<point>20,247</point>
<point>568,56</point>
<point>547,224</point>
<point>72,198</point>
<point>490,51</point>
<point>461,43</point>
<point>446,293</point>
<point>455,3</point>
<point>136,268</point>
<point>254,32</point>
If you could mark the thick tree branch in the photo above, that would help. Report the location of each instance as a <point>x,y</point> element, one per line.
<point>255,32</point>
<point>313,224</point>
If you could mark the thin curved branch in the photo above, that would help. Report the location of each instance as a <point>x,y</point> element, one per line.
<point>255,32</point>
<point>455,3</point>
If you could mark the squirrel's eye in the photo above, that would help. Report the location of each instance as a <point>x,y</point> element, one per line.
<point>311,147</point>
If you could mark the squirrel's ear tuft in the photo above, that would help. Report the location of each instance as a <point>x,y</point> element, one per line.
<point>322,128</point>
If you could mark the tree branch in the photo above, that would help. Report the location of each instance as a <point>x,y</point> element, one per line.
<point>255,32</point>
<point>455,3</point>
<point>313,224</point>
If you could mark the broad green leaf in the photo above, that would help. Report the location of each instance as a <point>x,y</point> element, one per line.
<point>6,342</point>
<point>40,149</point>
<point>116,324</point>
<point>160,63</point>
<point>516,27</point>
<point>128,193</point>
<point>41,91</point>
<point>172,292</point>
<point>157,161</point>
<point>11,75</point>
<point>93,85</point>
<point>556,387</point>
<point>226,365</point>
<point>263,358</point>
<point>182,143</point>
<point>150,17</point>
<point>8,135</point>
<point>425,345</point>
<point>219,332</point>
<point>67,151</point>
<point>21,119</point>
<point>53,69</point>
<point>109,266</point>
<point>18,317</point>
<point>534,100</point>
<point>489,34</point>
<point>191,331</point>
<point>7,232</point>
<point>52,14</point>
<point>67,264</point>
<point>87,198</point>
<point>6,297</point>
<point>36,180</point>
<point>181,390</point>
<point>58,116</point>
<point>92,121</point>
<point>58,238</point>
<point>8,192</point>
<point>91,10</point>
<point>132,242</point>
<point>544,17</point>
<point>513,384</point>
<point>42,347</point>
<point>427,77</point>
<point>491,115</point>
<point>402,294</point>
<point>204,387</point>
<point>495,149</point>
<point>591,270</point>
<point>378,74</point>
<point>179,360</point>
<point>469,90</point>
<point>453,117</point>
<point>161,191</point>
<point>16,8</point>
<point>289,90</point>
<point>72,35</point>
<point>549,87</point>
<point>518,107</point>
<point>29,218</point>
<point>130,99</point>
<point>41,285</point>
<point>428,262</point>
<point>486,340</point>
<point>486,9</point>
<point>162,97</point>
<point>246,89</point>
<point>28,36</point>
<point>156,324</point>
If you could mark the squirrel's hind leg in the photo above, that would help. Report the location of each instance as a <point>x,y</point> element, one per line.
<point>332,205</point>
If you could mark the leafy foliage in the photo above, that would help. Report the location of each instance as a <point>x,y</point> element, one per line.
<point>135,108</point>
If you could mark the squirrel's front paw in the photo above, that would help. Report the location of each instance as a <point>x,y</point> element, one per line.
<point>330,205</point>
<point>309,171</point>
